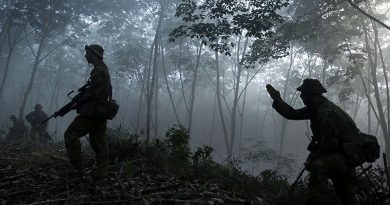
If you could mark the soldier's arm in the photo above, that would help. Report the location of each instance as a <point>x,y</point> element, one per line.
<point>283,108</point>
<point>29,117</point>
<point>96,85</point>
<point>290,113</point>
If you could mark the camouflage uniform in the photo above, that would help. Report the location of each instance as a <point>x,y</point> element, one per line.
<point>35,118</point>
<point>89,122</point>
<point>17,131</point>
<point>331,127</point>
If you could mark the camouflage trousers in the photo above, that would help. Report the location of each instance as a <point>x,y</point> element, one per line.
<point>332,167</point>
<point>96,128</point>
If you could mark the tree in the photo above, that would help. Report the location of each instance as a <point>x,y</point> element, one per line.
<point>215,21</point>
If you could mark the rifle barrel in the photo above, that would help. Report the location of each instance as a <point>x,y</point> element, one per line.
<point>43,122</point>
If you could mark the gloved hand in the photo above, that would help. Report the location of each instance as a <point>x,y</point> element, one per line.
<point>275,94</point>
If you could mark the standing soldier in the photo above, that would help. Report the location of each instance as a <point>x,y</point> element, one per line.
<point>35,118</point>
<point>330,126</point>
<point>17,131</point>
<point>89,121</point>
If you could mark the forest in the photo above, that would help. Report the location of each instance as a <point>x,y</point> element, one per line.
<point>195,124</point>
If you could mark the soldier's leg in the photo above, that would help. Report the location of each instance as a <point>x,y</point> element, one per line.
<point>98,139</point>
<point>33,134</point>
<point>41,135</point>
<point>318,182</point>
<point>345,190</point>
<point>342,177</point>
<point>77,129</point>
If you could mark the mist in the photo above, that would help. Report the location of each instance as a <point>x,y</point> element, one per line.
<point>213,87</point>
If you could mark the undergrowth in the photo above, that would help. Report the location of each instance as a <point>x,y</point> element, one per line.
<point>172,155</point>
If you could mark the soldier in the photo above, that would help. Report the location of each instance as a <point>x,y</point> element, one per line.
<point>35,118</point>
<point>89,121</point>
<point>330,126</point>
<point>16,132</point>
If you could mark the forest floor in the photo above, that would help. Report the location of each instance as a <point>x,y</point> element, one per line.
<point>162,171</point>
<point>41,174</point>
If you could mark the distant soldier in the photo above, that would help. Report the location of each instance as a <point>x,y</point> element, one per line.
<point>89,121</point>
<point>17,131</point>
<point>330,126</point>
<point>35,118</point>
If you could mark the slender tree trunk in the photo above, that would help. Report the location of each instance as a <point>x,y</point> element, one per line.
<point>193,85</point>
<point>387,95</point>
<point>183,93</point>
<point>6,26</point>
<point>220,106</point>
<point>57,84</point>
<point>151,87</point>
<point>386,138</point>
<point>156,125</point>
<point>284,120</point>
<point>373,58</point>
<point>140,103</point>
<point>32,78</point>
<point>213,120</point>
<point>243,114</point>
<point>236,88</point>
<point>168,88</point>
<point>11,47</point>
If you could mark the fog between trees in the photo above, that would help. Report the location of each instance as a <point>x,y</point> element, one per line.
<point>210,76</point>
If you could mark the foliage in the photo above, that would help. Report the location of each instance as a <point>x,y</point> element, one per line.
<point>315,22</point>
<point>258,153</point>
<point>372,187</point>
<point>171,155</point>
<point>202,156</point>
<point>122,145</point>
<point>214,22</point>
<point>177,144</point>
<point>276,183</point>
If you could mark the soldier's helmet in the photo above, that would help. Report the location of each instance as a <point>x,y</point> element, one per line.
<point>311,86</point>
<point>12,117</point>
<point>96,49</point>
<point>38,107</point>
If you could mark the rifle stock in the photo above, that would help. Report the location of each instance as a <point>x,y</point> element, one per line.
<point>69,106</point>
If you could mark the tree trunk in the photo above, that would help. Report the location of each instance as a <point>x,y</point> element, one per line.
<point>236,88</point>
<point>213,121</point>
<point>183,93</point>
<point>32,78</point>
<point>168,88</point>
<point>373,58</point>
<point>156,125</point>
<point>242,114</point>
<point>11,47</point>
<point>141,82</point>
<point>193,85</point>
<point>285,90</point>
<point>220,107</point>
<point>152,85</point>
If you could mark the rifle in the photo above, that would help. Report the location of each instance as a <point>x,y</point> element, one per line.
<point>69,106</point>
<point>295,184</point>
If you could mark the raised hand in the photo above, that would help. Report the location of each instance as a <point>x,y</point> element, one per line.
<point>275,94</point>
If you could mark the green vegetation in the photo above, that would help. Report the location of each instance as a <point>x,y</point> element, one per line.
<point>171,155</point>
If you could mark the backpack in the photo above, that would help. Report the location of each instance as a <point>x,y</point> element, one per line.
<point>364,149</point>
<point>106,110</point>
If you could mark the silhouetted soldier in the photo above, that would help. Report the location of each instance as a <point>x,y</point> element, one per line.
<point>330,126</point>
<point>17,131</point>
<point>35,118</point>
<point>89,121</point>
